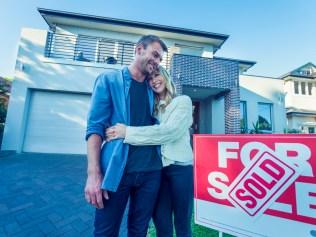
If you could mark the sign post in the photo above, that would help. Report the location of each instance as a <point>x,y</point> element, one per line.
<point>256,185</point>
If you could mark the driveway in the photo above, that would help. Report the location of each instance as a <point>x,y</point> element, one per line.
<point>42,195</point>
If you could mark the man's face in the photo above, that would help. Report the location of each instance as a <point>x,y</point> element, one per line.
<point>149,58</point>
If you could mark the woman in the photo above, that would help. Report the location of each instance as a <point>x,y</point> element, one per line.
<point>176,190</point>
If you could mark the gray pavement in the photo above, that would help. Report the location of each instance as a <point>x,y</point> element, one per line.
<point>42,195</point>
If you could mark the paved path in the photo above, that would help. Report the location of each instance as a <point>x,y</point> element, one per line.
<point>42,195</point>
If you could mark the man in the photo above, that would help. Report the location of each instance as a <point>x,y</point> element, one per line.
<point>119,171</point>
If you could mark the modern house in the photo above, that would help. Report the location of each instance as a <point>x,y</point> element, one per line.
<point>300,100</point>
<point>56,69</point>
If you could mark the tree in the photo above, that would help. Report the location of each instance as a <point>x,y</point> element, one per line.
<point>5,88</point>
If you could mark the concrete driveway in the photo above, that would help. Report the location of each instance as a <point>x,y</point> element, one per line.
<point>42,195</point>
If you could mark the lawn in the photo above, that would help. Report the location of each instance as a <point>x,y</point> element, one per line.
<point>198,231</point>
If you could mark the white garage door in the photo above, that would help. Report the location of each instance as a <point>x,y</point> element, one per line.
<point>56,123</point>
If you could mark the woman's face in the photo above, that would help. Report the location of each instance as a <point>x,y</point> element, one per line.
<point>158,84</point>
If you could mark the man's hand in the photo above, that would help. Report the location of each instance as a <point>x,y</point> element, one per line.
<point>115,132</point>
<point>93,192</point>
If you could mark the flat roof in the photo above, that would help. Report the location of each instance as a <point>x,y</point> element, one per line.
<point>53,17</point>
<point>294,73</point>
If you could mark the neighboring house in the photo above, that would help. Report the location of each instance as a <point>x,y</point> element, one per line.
<point>56,69</point>
<point>300,100</point>
<point>262,104</point>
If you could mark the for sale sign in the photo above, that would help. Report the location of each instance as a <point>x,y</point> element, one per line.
<point>256,185</point>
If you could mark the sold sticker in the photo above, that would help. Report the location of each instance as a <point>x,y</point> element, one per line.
<point>261,183</point>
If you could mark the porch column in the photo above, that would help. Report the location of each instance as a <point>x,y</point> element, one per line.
<point>232,111</point>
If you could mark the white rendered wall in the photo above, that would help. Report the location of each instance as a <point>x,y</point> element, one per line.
<point>255,89</point>
<point>299,101</point>
<point>301,122</point>
<point>218,119</point>
<point>34,71</point>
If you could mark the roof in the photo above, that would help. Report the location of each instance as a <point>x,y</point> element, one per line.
<point>298,71</point>
<point>55,17</point>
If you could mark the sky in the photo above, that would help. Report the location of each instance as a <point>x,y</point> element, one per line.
<point>279,35</point>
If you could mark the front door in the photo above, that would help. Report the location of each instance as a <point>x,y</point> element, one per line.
<point>196,117</point>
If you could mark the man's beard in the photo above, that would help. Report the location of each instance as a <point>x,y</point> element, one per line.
<point>147,71</point>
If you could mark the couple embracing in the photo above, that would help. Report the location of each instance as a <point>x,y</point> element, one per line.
<point>138,145</point>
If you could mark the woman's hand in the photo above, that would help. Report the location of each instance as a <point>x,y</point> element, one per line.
<point>115,132</point>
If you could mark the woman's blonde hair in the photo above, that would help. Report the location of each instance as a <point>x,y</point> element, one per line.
<point>170,90</point>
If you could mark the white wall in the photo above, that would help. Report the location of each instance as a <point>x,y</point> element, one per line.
<point>34,71</point>
<point>218,120</point>
<point>288,90</point>
<point>299,101</point>
<point>299,122</point>
<point>255,89</point>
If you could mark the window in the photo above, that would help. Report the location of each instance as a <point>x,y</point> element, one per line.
<point>265,116</point>
<point>296,87</point>
<point>115,51</point>
<point>306,72</point>
<point>62,46</point>
<point>310,87</point>
<point>303,84</point>
<point>108,50</point>
<point>311,130</point>
<point>243,117</point>
<point>86,48</point>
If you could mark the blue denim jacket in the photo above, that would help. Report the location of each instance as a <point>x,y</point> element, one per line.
<point>110,104</point>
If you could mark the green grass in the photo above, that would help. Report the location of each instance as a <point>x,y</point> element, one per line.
<point>197,231</point>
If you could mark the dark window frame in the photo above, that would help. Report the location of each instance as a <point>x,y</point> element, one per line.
<point>271,125</point>
<point>303,88</point>
<point>296,87</point>
<point>243,121</point>
<point>310,88</point>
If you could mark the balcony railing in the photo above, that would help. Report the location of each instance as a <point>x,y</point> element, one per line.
<point>92,49</point>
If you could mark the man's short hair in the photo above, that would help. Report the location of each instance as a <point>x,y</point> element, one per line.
<point>149,39</point>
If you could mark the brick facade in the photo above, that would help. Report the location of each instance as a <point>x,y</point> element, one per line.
<point>187,70</point>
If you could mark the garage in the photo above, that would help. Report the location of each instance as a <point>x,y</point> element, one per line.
<point>56,122</point>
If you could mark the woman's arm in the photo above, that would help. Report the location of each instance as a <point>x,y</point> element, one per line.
<point>177,123</point>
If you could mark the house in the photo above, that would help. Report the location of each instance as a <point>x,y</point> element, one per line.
<point>56,69</point>
<point>300,90</point>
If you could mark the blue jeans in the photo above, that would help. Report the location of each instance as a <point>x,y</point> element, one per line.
<point>175,198</point>
<point>142,188</point>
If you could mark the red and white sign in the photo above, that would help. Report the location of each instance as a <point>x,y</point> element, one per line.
<point>256,185</point>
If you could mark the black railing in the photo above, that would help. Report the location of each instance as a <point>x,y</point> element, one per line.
<point>92,49</point>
